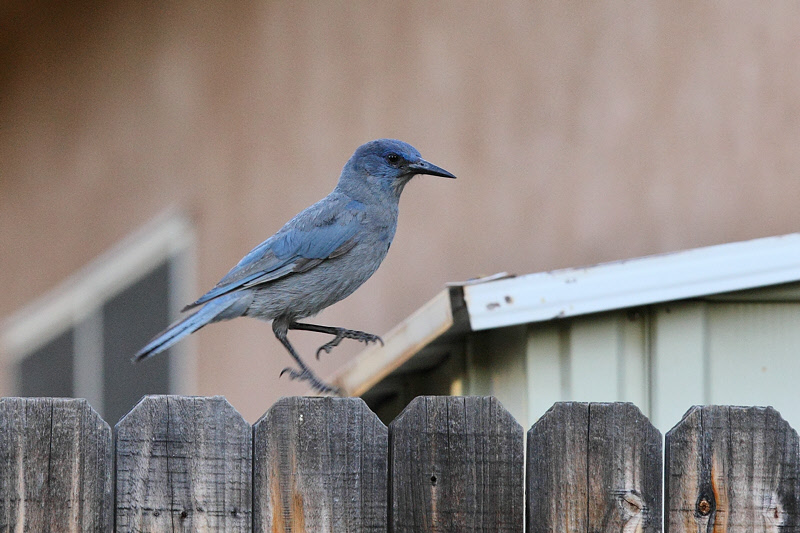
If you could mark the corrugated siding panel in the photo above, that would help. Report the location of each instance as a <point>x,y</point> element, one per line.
<point>754,356</point>
<point>595,358</point>
<point>678,360</point>
<point>496,366</point>
<point>663,358</point>
<point>634,358</point>
<point>545,370</point>
<point>594,348</point>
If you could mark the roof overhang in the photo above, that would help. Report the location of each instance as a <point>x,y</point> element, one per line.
<point>494,303</point>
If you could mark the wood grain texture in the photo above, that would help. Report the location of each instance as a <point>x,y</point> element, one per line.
<point>557,491</point>
<point>183,464</point>
<point>55,466</point>
<point>594,467</point>
<point>456,464</point>
<point>320,465</point>
<point>732,469</point>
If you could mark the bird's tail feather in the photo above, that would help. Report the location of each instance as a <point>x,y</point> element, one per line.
<point>185,327</point>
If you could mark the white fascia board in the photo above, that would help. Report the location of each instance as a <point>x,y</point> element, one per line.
<point>642,281</point>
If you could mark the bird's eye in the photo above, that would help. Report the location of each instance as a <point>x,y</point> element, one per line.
<point>393,158</point>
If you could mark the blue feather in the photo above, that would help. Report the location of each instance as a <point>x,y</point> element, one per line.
<point>187,326</point>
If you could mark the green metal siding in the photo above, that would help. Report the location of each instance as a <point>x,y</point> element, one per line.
<point>741,348</point>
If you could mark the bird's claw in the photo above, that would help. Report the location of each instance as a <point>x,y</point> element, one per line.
<point>293,374</point>
<point>342,334</point>
<point>314,381</point>
<point>328,346</point>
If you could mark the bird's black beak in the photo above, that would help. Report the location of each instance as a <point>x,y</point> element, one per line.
<point>423,167</point>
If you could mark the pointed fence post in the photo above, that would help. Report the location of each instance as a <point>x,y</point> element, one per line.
<point>594,467</point>
<point>55,466</point>
<point>320,465</point>
<point>732,469</point>
<point>183,464</point>
<point>456,464</point>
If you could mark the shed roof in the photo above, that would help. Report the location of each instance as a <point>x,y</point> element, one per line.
<point>502,300</point>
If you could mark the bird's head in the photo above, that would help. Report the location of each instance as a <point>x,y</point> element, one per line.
<point>384,167</point>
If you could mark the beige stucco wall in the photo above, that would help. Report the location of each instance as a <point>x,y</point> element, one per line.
<point>580,133</point>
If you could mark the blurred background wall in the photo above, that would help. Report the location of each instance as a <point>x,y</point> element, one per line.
<point>580,132</point>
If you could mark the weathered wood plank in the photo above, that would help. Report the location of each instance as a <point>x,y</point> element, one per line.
<point>183,464</point>
<point>732,469</point>
<point>456,464</point>
<point>594,467</point>
<point>55,466</point>
<point>320,465</point>
<point>625,470</point>
<point>557,491</point>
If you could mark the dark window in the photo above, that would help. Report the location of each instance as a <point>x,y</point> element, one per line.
<point>129,319</point>
<point>48,370</point>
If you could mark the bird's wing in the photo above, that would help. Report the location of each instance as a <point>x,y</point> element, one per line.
<point>323,231</point>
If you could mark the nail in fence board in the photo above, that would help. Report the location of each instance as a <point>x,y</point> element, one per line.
<point>55,466</point>
<point>594,467</point>
<point>320,465</point>
<point>456,464</point>
<point>732,469</point>
<point>183,464</point>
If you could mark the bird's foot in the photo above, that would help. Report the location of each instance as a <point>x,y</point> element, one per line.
<point>316,384</point>
<point>341,334</point>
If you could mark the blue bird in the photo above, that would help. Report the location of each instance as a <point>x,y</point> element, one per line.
<point>316,259</point>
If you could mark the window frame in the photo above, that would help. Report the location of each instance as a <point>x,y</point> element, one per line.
<point>77,303</point>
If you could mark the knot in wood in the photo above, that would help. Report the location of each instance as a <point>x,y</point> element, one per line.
<point>632,504</point>
<point>704,507</point>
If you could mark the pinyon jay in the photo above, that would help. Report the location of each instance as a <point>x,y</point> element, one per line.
<point>316,259</point>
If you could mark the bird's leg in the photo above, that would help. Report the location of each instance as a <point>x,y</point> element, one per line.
<point>338,335</point>
<point>305,373</point>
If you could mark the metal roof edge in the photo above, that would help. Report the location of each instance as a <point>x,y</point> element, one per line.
<point>632,282</point>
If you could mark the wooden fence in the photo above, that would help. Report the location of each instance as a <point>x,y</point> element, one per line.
<point>445,464</point>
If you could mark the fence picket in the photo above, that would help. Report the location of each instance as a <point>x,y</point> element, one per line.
<point>444,464</point>
<point>183,464</point>
<point>55,466</point>
<point>594,467</point>
<point>320,465</point>
<point>732,469</point>
<point>456,464</point>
